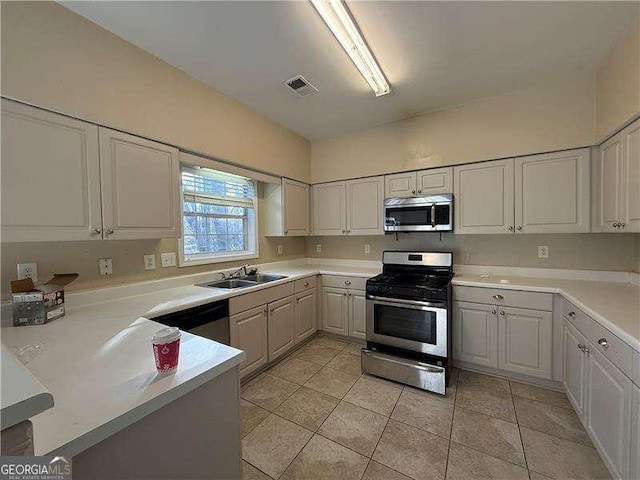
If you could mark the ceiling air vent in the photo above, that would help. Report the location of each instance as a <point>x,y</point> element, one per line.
<point>301,86</point>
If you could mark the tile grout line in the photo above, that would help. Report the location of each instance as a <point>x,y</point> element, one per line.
<point>524,452</point>
<point>455,401</point>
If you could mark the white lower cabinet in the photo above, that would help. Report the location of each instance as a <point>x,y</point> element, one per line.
<point>281,328</point>
<point>475,333</point>
<point>635,433</point>
<point>525,341</point>
<point>608,412</point>
<point>344,312</point>
<point>248,332</point>
<point>575,367</point>
<point>305,315</point>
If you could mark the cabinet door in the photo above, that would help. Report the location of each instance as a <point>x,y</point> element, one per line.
<point>610,166</point>
<point>357,314</point>
<point>552,192</point>
<point>248,332</point>
<point>365,203</point>
<point>484,197</point>
<point>305,323</point>
<point>635,434</point>
<point>50,176</point>
<point>575,367</point>
<point>475,333</point>
<point>435,181</point>
<point>140,187</point>
<point>296,208</point>
<point>609,412</point>
<point>400,185</point>
<point>631,178</point>
<point>525,341</point>
<point>335,310</point>
<point>329,214</point>
<point>281,331</point>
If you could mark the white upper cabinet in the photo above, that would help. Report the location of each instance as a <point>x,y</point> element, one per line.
<point>631,178</point>
<point>140,187</point>
<point>400,185</point>
<point>329,213</point>
<point>617,182</point>
<point>424,182</point>
<point>354,207</point>
<point>435,181</point>
<point>365,203</point>
<point>484,197</point>
<point>287,209</point>
<point>50,176</point>
<point>552,192</point>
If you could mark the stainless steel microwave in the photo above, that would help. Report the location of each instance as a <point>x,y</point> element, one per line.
<point>419,214</point>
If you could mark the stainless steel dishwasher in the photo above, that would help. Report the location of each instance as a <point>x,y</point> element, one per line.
<point>210,320</point>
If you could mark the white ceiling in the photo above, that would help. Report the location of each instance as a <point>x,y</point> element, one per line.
<point>435,54</point>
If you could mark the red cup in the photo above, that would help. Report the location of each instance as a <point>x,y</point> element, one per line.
<point>166,349</point>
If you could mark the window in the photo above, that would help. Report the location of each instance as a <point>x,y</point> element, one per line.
<point>218,215</point>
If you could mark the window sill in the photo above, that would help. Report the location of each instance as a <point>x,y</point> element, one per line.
<point>183,262</point>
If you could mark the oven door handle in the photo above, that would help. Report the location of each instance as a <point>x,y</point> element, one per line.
<point>403,302</point>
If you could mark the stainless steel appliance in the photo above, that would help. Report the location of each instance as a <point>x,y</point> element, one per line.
<point>210,320</point>
<point>419,214</point>
<point>409,319</point>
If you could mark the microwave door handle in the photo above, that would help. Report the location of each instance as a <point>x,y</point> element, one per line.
<point>433,215</point>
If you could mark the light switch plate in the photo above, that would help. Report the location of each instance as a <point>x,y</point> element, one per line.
<point>106,266</point>
<point>150,261</point>
<point>28,270</point>
<point>367,249</point>
<point>279,249</point>
<point>543,251</point>
<point>318,248</point>
<point>168,259</point>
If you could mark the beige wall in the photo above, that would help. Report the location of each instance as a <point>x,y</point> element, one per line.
<point>550,116</point>
<point>54,58</point>
<point>127,255</point>
<point>618,86</point>
<point>616,252</point>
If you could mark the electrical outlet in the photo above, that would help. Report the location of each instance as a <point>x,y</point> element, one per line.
<point>543,251</point>
<point>28,270</point>
<point>367,249</point>
<point>318,248</point>
<point>106,266</point>
<point>168,259</point>
<point>150,261</point>
<point>279,249</point>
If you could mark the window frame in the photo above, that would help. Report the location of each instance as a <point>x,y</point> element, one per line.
<point>227,256</point>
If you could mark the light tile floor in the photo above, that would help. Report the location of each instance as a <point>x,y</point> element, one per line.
<point>315,416</point>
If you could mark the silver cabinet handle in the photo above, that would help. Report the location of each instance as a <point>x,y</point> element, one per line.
<point>413,191</point>
<point>498,297</point>
<point>96,231</point>
<point>306,284</point>
<point>348,231</point>
<point>622,225</point>
<point>109,232</point>
<point>580,347</point>
<point>286,231</point>
<point>603,343</point>
<point>585,349</point>
<point>510,228</point>
<point>493,312</point>
<point>343,231</point>
<point>419,191</point>
<point>572,314</point>
<point>344,294</point>
<point>272,310</point>
<point>519,228</point>
<point>501,312</point>
<point>347,282</point>
<point>616,225</point>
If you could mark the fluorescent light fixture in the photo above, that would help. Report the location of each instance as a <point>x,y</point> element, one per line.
<point>337,17</point>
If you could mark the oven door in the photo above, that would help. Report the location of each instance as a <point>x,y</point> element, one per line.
<point>409,324</point>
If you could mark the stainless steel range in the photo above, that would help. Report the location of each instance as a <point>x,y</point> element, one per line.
<point>409,319</point>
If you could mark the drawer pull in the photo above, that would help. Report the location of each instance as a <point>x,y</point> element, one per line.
<point>306,284</point>
<point>603,343</point>
<point>581,347</point>
<point>347,282</point>
<point>493,312</point>
<point>498,297</point>
<point>501,312</point>
<point>572,314</point>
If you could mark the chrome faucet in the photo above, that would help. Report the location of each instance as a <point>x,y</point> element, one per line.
<point>236,273</point>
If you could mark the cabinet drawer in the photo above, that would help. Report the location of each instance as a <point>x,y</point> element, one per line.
<point>354,283</point>
<point>306,283</point>
<point>617,351</point>
<point>262,297</point>
<point>507,298</point>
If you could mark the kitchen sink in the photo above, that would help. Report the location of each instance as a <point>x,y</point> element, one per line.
<point>230,283</point>
<point>263,278</point>
<point>243,282</point>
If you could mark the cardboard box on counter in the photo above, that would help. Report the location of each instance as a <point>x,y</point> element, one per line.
<point>39,305</point>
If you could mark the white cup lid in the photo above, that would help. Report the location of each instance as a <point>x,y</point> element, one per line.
<point>166,335</point>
